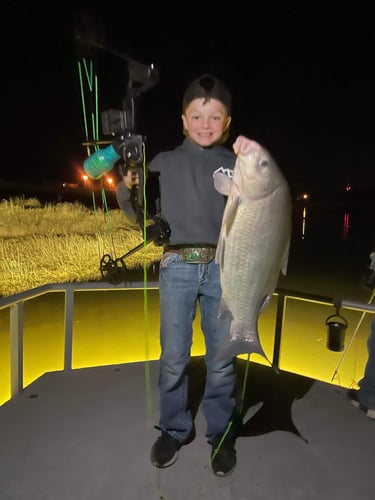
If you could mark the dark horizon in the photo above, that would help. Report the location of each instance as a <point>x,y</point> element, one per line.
<point>56,190</point>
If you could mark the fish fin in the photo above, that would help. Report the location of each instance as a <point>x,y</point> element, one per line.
<point>283,269</point>
<point>230,211</point>
<point>231,348</point>
<point>220,249</point>
<point>235,344</point>
<point>266,301</point>
<point>224,311</point>
<point>228,218</point>
<point>222,183</point>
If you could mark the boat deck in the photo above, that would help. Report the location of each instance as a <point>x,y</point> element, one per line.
<point>86,434</point>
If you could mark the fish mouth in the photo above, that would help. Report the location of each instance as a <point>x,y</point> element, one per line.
<point>251,150</point>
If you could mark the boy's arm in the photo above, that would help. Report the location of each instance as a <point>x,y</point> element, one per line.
<point>124,194</point>
<point>158,231</point>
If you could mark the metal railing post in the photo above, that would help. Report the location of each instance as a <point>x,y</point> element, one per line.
<point>278,330</point>
<point>16,348</point>
<point>68,328</point>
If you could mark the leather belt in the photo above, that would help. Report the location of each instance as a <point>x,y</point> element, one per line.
<point>202,254</point>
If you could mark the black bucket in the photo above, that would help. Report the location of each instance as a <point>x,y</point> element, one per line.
<point>336,326</point>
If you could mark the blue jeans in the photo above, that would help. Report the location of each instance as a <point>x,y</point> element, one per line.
<point>366,393</point>
<point>181,285</point>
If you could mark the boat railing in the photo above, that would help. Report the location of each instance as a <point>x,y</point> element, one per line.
<point>15,304</point>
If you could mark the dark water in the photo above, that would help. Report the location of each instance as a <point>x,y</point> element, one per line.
<point>330,248</point>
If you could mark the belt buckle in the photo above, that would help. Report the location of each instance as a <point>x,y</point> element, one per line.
<point>197,255</point>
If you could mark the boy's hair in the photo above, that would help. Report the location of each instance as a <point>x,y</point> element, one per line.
<point>208,87</point>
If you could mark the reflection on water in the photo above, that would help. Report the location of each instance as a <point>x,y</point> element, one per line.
<point>313,221</point>
<point>345,233</point>
<point>304,217</point>
<point>330,248</point>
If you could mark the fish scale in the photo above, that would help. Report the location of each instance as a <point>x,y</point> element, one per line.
<point>250,278</point>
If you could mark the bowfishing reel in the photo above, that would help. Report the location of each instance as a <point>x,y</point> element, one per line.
<point>128,146</point>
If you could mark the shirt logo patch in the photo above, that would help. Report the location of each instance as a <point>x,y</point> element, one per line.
<point>226,171</point>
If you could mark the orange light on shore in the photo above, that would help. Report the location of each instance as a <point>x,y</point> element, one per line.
<point>85,178</point>
<point>303,196</point>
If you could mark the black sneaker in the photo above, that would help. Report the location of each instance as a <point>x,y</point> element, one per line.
<point>164,452</point>
<point>223,455</point>
<point>354,399</point>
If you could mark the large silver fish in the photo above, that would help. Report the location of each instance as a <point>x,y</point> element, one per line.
<point>253,246</point>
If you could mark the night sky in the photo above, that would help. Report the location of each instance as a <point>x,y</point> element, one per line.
<point>302,76</point>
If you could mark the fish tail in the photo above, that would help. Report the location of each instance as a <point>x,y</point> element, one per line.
<point>231,348</point>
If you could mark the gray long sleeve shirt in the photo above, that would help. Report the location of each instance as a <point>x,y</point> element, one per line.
<point>188,200</point>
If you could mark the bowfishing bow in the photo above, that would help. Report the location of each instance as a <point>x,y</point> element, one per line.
<point>127,148</point>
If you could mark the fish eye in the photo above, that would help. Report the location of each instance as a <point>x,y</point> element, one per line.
<point>263,163</point>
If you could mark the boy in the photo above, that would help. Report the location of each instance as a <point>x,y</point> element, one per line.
<point>193,209</point>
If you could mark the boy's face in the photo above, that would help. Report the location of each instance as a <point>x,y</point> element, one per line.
<point>205,122</point>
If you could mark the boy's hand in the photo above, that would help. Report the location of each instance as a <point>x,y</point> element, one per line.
<point>242,145</point>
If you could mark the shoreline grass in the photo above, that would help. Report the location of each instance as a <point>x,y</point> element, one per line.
<point>63,243</point>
